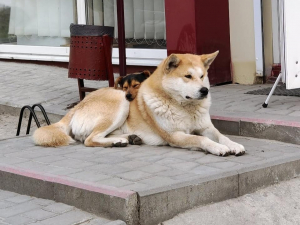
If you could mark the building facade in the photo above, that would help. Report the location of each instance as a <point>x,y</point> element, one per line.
<point>245,32</point>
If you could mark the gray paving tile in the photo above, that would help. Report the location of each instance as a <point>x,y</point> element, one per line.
<point>98,221</point>
<point>12,160</point>
<point>115,182</point>
<point>186,166</point>
<point>72,163</point>
<point>171,173</point>
<point>6,194</point>
<point>267,154</point>
<point>209,159</point>
<point>134,175</point>
<point>89,176</point>
<point>158,181</point>
<point>205,170</point>
<point>132,164</point>
<point>18,209</point>
<point>153,168</point>
<point>39,214</point>
<point>223,165</point>
<point>58,208</point>
<point>108,169</point>
<point>136,187</point>
<point>49,159</point>
<point>6,204</point>
<point>69,218</point>
<point>19,199</point>
<point>42,202</point>
<point>19,220</point>
<point>169,161</point>
<point>246,159</point>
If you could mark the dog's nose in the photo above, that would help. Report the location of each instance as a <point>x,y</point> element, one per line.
<point>204,91</point>
<point>128,96</point>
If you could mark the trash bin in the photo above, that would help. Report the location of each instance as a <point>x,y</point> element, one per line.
<point>90,55</point>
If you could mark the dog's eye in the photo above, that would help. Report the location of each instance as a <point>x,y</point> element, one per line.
<point>202,76</point>
<point>136,85</point>
<point>125,88</point>
<point>188,76</point>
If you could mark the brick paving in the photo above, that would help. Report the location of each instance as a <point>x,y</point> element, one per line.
<point>231,101</point>
<point>16,209</point>
<point>136,168</point>
<point>23,84</point>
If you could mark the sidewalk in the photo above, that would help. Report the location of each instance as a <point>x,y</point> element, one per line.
<point>23,84</point>
<point>16,209</point>
<point>233,111</point>
<point>145,184</point>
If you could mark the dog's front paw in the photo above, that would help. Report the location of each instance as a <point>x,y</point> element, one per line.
<point>220,150</point>
<point>236,148</point>
<point>134,140</point>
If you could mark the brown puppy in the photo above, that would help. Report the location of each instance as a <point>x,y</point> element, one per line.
<point>131,83</point>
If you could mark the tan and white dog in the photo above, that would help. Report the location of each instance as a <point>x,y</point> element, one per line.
<point>171,108</point>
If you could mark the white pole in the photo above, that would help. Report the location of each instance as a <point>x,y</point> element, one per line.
<point>265,105</point>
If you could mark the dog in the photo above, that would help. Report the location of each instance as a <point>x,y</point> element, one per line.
<point>171,108</point>
<point>131,83</point>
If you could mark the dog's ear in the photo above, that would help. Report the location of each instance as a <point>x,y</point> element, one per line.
<point>119,82</point>
<point>147,73</point>
<point>209,58</point>
<point>171,63</point>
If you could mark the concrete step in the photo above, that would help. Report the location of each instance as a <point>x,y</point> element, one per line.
<point>142,184</point>
<point>16,209</point>
<point>275,127</point>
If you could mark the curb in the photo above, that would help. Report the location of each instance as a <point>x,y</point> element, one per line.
<point>101,200</point>
<point>152,206</point>
<point>284,131</point>
<point>163,204</point>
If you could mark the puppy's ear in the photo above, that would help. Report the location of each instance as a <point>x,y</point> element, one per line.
<point>209,58</point>
<point>119,82</point>
<point>147,73</point>
<point>171,63</point>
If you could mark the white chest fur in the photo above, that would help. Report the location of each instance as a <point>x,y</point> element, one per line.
<point>172,115</point>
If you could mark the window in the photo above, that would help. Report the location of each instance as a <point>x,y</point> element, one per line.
<point>144,21</point>
<point>39,29</point>
<point>37,22</point>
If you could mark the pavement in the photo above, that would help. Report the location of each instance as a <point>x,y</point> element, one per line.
<point>16,209</point>
<point>275,205</point>
<point>233,111</point>
<point>144,184</point>
<point>23,84</point>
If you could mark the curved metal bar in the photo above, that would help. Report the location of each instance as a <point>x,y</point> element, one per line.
<point>30,116</point>
<point>21,117</point>
<point>43,111</point>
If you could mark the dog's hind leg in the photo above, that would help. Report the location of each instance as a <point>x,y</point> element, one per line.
<point>98,137</point>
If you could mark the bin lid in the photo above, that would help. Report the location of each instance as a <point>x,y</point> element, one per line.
<point>91,30</point>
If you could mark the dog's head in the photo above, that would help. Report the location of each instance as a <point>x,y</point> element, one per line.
<point>185,76</point>
<point>131,83</point>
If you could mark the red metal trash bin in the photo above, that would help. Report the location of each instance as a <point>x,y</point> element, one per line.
<point>90,55</point>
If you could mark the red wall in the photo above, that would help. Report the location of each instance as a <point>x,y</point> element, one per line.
<point>199,27</point>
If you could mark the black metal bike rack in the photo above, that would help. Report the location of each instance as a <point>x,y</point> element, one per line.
<point>32,114</point>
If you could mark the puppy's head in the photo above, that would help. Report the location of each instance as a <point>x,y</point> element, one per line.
<point>131,83</point>
<point>185,76</point>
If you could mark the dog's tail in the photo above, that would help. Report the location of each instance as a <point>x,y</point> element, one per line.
<point>54,135</point>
